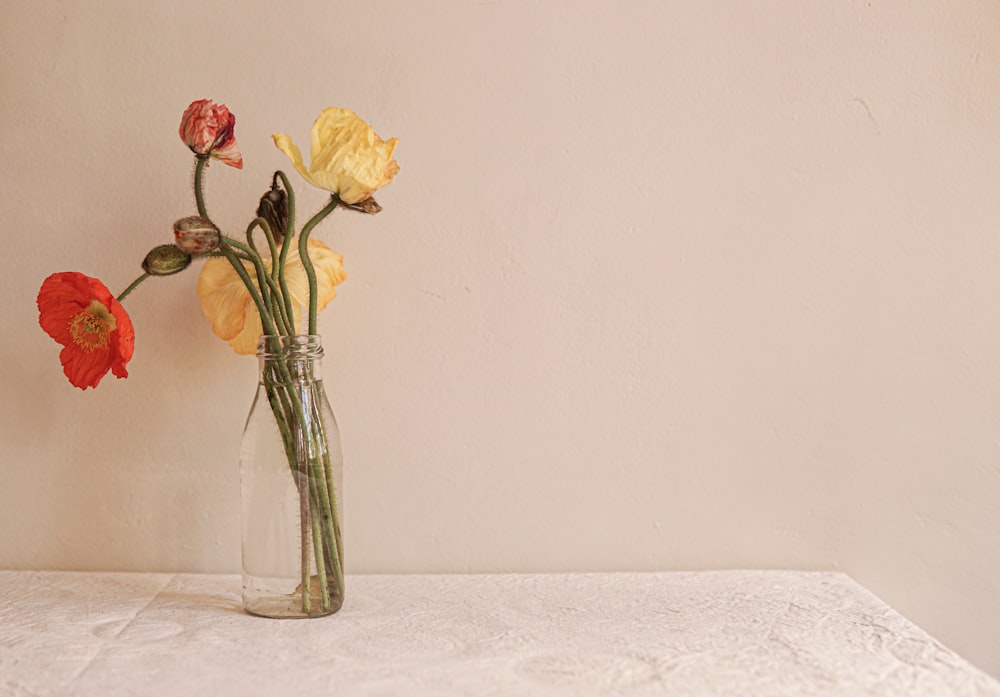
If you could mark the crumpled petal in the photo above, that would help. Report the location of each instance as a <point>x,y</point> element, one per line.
<point>208,128</point>
<point>285,145</point>
<point>347,157</point>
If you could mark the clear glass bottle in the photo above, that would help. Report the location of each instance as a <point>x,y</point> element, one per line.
<point>291,475</point>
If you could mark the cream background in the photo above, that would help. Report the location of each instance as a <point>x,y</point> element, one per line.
<point>661,285</point>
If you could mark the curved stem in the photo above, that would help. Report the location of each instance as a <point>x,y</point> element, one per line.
<point>289,202</point>
<point>307,262</point>
<point>266,320</point>
<point>266,282</point>
<point>132,286</point>
<point>284,301</point>
<point>236,253</point>
<point>288,232</point>
<point>281,303</point>
<point>262,276</point>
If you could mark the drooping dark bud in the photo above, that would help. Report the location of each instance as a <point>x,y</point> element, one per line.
<point>368,205</point>
<point>165,259</point>
<point>273,208</point>
<point>196,235</point>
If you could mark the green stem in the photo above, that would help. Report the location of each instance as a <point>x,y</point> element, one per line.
<point>282,413</point>
<point>132,286</point>
<point>287,405</point>
<point>305,517</point>
<point>266,320</point>
<point>319,549</point>
<point>235,252</point>
<point>199,191</point>
<point>288,232</point>
<point>313,441</point>
<point>283,301</point>
<point>307,262</point>
<point>265,298</point>
<point>263,277</point>
<point>289,203</point>
<point>326,533</point>
<point>299,419</point>
<point>272,245</point>
<point>236,244</point>
<point>328,497</point>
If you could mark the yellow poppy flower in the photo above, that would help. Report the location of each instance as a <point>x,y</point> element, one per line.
<point>227,304</point>
<point>347,157</point>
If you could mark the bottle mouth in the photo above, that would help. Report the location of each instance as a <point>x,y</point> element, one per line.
<point>295,345</point>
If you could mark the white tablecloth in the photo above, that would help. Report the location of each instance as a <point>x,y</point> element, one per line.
<point>705,633</point>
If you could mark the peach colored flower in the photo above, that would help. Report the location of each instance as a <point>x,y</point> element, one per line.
<point>347,157</point>
<point>228,305</point>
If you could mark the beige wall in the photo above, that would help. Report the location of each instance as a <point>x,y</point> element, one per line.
<point>661,285</point>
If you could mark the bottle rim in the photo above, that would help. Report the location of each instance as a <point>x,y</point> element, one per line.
<point>277,346</point>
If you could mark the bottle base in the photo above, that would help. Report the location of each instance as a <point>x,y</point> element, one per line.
<point>263,598</point>
<point>290,607</point>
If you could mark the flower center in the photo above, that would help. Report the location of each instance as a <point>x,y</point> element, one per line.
<point>90,328</point>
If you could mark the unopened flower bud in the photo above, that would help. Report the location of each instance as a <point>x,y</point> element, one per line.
<point>196,235</point>
<point>274,209</point>
<point>164,260</point>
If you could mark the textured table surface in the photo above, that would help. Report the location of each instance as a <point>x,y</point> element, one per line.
<point>705,633</point>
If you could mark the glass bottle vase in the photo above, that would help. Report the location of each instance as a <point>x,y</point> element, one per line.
<point>291,474</point>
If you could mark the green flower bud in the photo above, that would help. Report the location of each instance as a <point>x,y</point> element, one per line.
<point>165,259</point>
<point>196,235</point>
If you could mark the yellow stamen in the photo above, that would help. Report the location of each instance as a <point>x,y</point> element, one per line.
<point>90,328</point>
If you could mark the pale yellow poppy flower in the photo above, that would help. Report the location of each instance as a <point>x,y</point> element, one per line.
<point>347,157</point>
<point>227,304</point>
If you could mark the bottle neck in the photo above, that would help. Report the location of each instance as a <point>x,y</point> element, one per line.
<point>296,358</point>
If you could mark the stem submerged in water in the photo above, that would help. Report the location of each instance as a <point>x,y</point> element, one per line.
<point>297,401</point>
<point>293,391</point>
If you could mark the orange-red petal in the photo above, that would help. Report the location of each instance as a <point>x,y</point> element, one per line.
<point>71,302</point>
<point>85,368</point>
<point>61,298</point>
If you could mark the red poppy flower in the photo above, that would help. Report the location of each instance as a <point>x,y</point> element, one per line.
<point>208,129</point>
<point>80,313</point>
